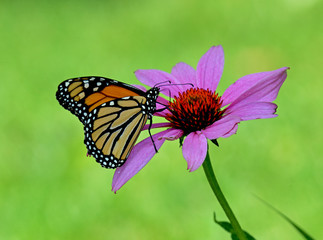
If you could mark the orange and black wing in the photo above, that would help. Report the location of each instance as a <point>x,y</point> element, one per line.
<point>113,128</point>
<point>82,95</point>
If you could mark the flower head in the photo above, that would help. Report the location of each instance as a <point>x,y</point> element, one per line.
<point>198,113</point>
<point>194,110</point>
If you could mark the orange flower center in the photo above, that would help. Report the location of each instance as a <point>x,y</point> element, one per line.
<point>194,109</point>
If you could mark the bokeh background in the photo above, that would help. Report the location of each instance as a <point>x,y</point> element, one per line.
<point>51,190</point>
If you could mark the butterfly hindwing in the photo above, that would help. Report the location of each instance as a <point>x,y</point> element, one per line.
<point>113,128</point>
<point>113,114</point>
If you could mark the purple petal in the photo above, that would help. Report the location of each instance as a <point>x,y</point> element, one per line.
<point>162,103</point>
<point>161,114</point>
<point>157,125</point>
<point>138,158</point>
<point>173,134</point>
<point>142,88</point>
<point>185,74</point>
<point>210,67</point>
<point>194,150</point>
<point>255,111</point>
<point>152,77</point>
<point>231,132</point>
<point>222,127</point>
<point>258,87</point>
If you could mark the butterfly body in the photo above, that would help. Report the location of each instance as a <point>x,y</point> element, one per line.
<point>113,114</point>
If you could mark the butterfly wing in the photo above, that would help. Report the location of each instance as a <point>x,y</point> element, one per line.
<point>81,95</point>
<point>113,128</point>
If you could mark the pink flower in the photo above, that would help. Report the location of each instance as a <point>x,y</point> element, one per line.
<point>198,113</point>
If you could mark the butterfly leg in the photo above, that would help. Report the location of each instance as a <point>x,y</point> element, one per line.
<point>162,109</point>
<point>150,124</point>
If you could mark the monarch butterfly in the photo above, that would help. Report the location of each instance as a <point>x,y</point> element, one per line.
<point>113,114</point>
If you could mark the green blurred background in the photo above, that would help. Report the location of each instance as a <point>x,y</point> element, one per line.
<point>51,190</point>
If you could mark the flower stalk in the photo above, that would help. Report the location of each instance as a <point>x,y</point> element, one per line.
<point>207,166</point>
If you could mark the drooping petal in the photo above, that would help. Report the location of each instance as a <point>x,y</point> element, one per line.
<point>257,87</point>
<point>138,158</point>
<point>231,132</point>
<point>210,67</point>
<point>173,134</point>
<point>255,110</point>
<point>186,76</point>
<point>194,150</point>
<point>152,77</point>
<point>222,127</point>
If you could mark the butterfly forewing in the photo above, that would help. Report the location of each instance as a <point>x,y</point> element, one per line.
<point>113,114</point>
<point>81,95</point>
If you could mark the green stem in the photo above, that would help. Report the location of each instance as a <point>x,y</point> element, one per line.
<point>207,166</point>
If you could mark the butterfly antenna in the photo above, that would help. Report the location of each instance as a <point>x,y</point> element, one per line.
<point>158,84</point>
<point>174,84</point>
